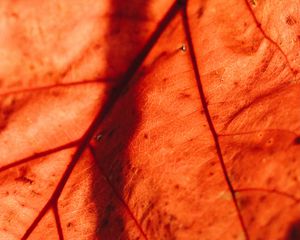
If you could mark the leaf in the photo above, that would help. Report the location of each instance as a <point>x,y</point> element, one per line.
<point>149,120</point>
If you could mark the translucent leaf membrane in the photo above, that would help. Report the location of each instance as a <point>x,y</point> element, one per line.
<point>104,218</point>
<point>46,228</point>
<point>26,188</point>
<point>38,121</point>
<point>159,152</point>
<point>149,120</point>
<point>279,20</point>
<point>269,215</point>
<point>253,97</point>
<point>51,41</point>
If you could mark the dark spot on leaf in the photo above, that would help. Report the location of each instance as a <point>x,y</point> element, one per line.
<point>244,202</point>
<point>148,224</point>
<point>24,179</point>
<point>252,219</point>
<point>69,224</point>
<point>253,2</point>
<point>293,232</point>
<point>290,20</point>
<point>184,95</point>
<point>177,186</point>
<point>36,193</point>
<point>168,227</point>
<point>111,133</point>
<point>146,136</point>
<point>212,163</point>
<point>262,198</point>
<point>108,210</point>
<point>200,12</point>
<point>297,140</point>
<point>295,179</point>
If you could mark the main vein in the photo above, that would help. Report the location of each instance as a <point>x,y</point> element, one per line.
<point>109,102</point>
<point>208,116</point>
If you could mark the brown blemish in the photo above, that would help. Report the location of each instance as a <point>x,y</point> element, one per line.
<point>55,92</point>
<point>108,210</point>
<point>212,163</point>
<point>22,176</point>
<point>253,2</point>
<point>200,12</point>
<point>270,141</point>
<point>148,224</point>
<point>295,179</point>
<point>24,179</point>
<point>168,227</point>
<point>184,95</point>
<point>252,219</point>
<point>290,20</point>
<point>36,193</point>
<point>146,136</point>
<point>244,202</point>
<point>297,140</point>
<point>262,198</point>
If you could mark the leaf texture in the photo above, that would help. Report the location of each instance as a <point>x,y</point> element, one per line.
<point>149,120</point>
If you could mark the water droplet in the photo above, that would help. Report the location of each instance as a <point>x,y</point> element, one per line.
<point>183,48</point>
<point>99,137</point>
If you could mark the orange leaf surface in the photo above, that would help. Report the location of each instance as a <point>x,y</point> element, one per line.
<point>149,120</point>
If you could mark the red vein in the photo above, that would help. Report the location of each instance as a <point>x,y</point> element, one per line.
<point>108,104</point>
<point>57,221</point>
<point>273,191</point>
<point>207,115</point>
<point>39,155</point>
<point>58,85</point>
<point>258,24</point>
<point>119,197</point>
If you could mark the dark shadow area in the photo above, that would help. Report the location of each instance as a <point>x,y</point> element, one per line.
<point>293,232</point>
<point>125,39</point>
<point>120,115</point>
